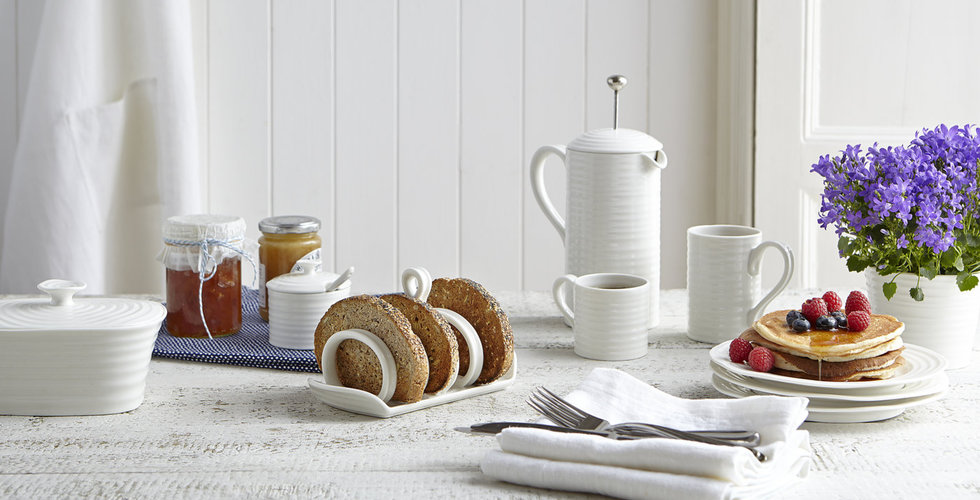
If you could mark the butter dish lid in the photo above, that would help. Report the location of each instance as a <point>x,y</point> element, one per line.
<point>615,140</point>
<point>306,280</point>
<point>61,311</point>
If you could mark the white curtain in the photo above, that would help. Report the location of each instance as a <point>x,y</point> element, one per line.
<point>107,146</point>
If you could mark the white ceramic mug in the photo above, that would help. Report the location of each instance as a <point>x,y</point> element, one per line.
<point>611,314</point>
<point>724,282</point>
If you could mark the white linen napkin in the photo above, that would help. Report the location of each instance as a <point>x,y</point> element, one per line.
<point>659,468</point>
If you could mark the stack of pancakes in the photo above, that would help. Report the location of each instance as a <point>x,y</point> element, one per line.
<point>834,355</point>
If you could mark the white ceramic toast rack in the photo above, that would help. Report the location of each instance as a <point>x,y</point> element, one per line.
<point>417,283</point>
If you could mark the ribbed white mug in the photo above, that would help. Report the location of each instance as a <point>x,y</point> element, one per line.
<point>611,314</point>
<point>724,282</point>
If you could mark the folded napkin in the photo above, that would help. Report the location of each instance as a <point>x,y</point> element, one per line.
<point>249,347</point>
<point>659,468</point>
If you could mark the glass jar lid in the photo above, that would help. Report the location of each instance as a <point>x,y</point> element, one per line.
<point>60,311</point>
<point>289,224</point>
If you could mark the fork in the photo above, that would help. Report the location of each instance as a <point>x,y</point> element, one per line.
<point>557,408</point>
<point>564,413</point>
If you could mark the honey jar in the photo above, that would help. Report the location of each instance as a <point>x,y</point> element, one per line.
<point>202,254</point>
<point>285,240</point>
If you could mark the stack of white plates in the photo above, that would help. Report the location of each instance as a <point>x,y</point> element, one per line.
<point>920,381</point>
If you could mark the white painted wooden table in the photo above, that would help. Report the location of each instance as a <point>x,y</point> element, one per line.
<point>222,431</point>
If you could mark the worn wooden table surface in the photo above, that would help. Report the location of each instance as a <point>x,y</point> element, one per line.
<point>221,431</point>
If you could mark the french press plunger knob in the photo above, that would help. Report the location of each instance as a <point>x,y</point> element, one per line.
<point>616,82</point>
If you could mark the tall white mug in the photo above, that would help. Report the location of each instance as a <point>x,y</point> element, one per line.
<point>724,285</point>
<point>610,315</point>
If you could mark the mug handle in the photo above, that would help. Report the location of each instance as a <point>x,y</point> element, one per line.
<point>558,291</point>
<point>537,186</point>
<point>755,265</point>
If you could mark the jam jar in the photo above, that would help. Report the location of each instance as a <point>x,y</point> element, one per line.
<point>285,240</point>
<point>214,242</point>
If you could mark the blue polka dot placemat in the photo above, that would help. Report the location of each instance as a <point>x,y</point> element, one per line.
<point>249,347</point>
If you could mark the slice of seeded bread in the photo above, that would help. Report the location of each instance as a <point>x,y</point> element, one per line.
<point>473,302</point>
<point>436,335</point>
<point>357,366</point>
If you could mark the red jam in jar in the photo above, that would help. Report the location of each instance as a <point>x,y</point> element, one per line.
<point>185,238</point>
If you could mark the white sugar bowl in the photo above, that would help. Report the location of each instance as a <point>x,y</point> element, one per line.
<point>298,300</point>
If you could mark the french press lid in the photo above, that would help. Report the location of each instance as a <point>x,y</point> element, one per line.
<point>615,139</point>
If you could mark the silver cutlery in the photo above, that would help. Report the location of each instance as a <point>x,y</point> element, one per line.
<point>565,414</point>
<point>497,427</point>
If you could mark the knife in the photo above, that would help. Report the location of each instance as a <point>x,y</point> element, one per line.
<point>496,427</point>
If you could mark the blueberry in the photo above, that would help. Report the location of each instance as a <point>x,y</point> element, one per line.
<point>793,316</point>
<point>801,324</point>
<point>842,323</point>
<point>839,316</point>
<point>826,323</point>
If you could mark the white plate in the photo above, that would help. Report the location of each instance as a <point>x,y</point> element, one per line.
<point>920,364</point>
<point>365,403</point>
<point>937,383</point>
<point>839,412</point>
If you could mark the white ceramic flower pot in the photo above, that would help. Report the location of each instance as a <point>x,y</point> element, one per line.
<point>946,321</point>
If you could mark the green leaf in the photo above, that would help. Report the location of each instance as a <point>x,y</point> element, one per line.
<point>843,244</point>
<point>967,283</point>
<point>971,240</point>
<point>856,264</point>
<point>916,294</point>
<point>949,257</point>
<point>889,289</point>
<point>930,269</point>
<point>958,263</point>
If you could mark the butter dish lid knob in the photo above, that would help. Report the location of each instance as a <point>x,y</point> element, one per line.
<point>61,291</point>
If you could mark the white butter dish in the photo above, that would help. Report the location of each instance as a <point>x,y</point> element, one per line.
<point>62,355</point>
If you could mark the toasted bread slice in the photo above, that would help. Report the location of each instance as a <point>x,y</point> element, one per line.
<point>357,366</point>
<point>470,300</point>
<point>433,330</point>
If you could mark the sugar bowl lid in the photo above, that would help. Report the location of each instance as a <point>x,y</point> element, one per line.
<point>308,280</point>
<point>615,139</point>
<point>61,311</point>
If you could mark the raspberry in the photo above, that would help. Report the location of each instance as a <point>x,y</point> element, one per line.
<point>857,301</point>
<point>858,321</point>
<point>761,360</point>
<point>834,303</point>
<point>813,309</point>
<point>738,350</point>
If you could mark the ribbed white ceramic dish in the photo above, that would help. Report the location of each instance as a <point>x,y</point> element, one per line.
<point>946,321</point>
<point>920,364</point>
<point>938,383</point>
<point>66,356</point>
<point>610,314</point>
<point>724,281</point>
<point>837,412</point>
<point>297,301</point>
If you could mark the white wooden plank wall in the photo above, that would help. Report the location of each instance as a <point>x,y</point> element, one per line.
<point>406,126</point>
